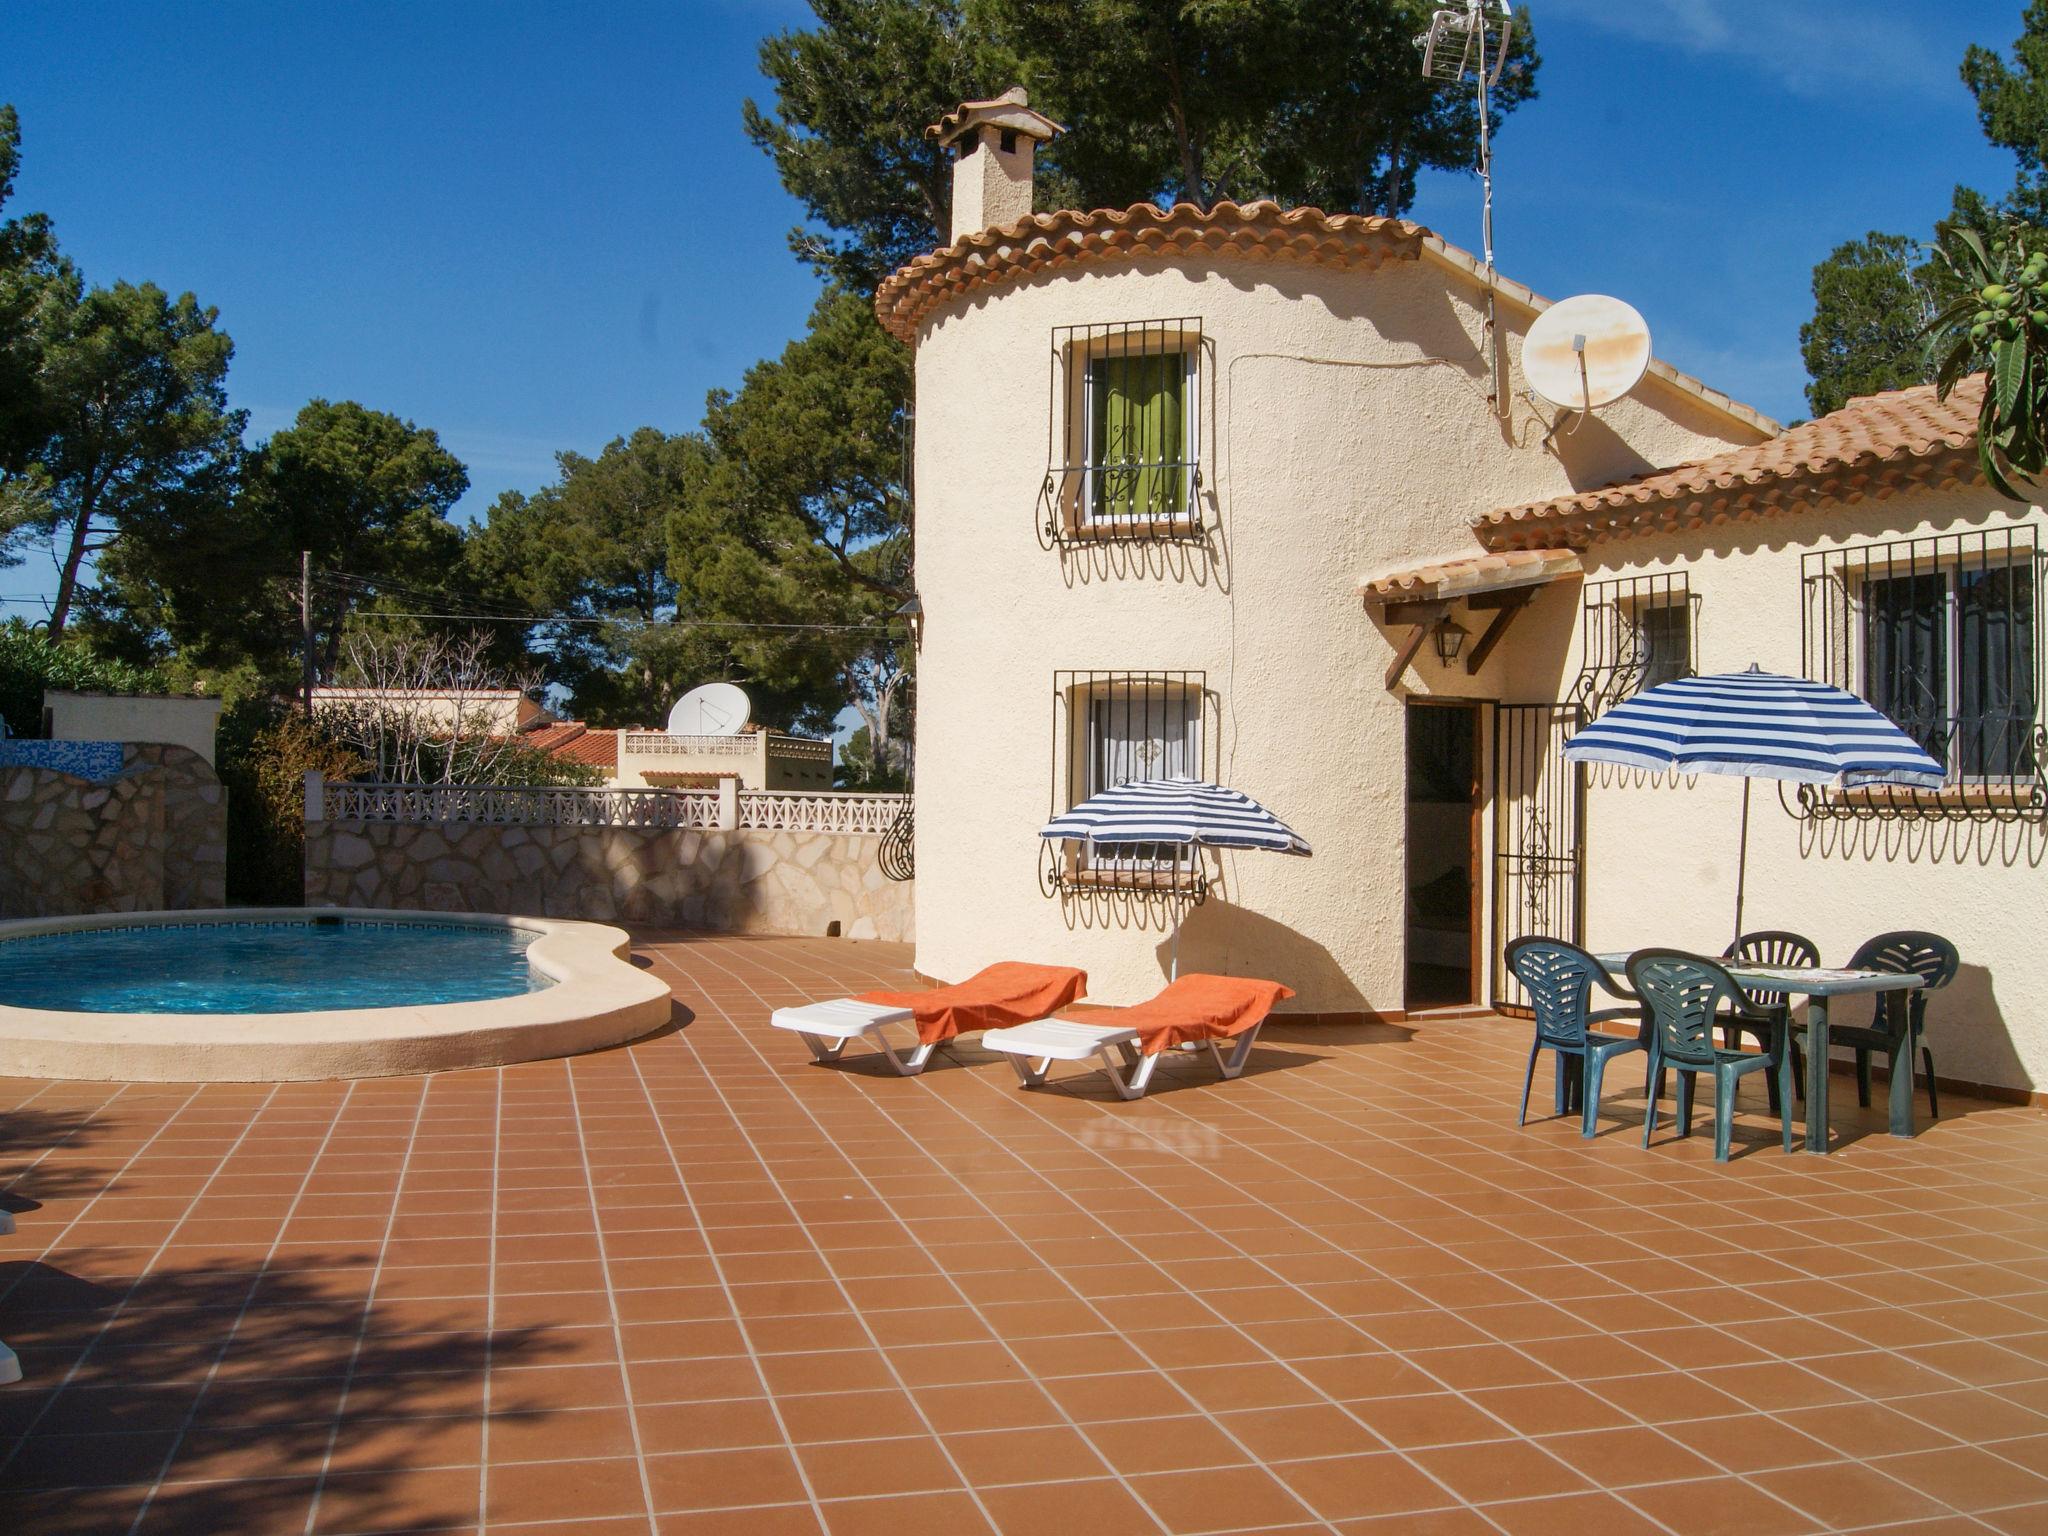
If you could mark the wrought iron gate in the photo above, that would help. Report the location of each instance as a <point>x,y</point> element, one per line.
<point>1539,846</point>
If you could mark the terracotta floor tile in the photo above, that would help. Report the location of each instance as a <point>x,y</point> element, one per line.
<point>1349,1487</point>
<point>1571,1514</point>
<point>1844,1494</point>
<point>1966,1478</point>
<point>1048,1454</point>
<point>1219,1499</point>
<point>713,1479</point>
<point>869,1468</point>
<point>996,1405</point>
<point>1721,1506</point>
<point>917,1514</point>
<point>1501,1469</point>
<point>1300,1432</point>
<point>1101,1508</point>
<point>761,1520</point>
<point>566,1434</point>
<point>1390,1263</point>
<point>1158,1445</point>
<point>410,1500</point>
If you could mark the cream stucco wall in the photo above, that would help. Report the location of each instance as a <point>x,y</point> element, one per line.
<point>171,722</point>
<point>1345,432</point>
<point>1661,853</point>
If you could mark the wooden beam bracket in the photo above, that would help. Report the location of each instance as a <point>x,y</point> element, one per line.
<point>1502,618</point>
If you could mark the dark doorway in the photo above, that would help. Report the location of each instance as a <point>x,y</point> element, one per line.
<point>1441,887</point>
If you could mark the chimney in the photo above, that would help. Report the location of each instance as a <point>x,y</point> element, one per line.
<point>992,144</point>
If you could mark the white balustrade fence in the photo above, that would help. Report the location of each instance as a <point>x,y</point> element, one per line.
<point>757,810</point>
<point>782,811</point>
<point>660,744</point>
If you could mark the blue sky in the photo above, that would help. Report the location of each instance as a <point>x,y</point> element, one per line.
<point>537,227</point>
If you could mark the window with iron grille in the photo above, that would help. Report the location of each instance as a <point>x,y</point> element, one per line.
<point>1124,432</point>
<point>1943,635</point>
<point>1636,632</point>
<point>1110,728</point>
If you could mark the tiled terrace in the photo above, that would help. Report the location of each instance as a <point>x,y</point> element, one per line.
<point>701,1286</point>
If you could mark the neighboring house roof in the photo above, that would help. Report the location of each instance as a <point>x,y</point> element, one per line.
<point>575,742</point>
<point>1260,230</point>
<point>1464,575</point>
<point>1874,446</point>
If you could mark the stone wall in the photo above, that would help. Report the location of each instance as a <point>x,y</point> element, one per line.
<point>152,836</point>
<point>744,881</point>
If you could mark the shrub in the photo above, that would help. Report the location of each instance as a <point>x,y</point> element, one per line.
<point>31,661</point>
<point>265,751</point>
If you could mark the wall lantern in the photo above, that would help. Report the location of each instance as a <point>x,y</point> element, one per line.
<point>912,615</point>
<point>1450,640</point>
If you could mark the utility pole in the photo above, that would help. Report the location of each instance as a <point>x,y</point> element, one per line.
<point>306,629</point>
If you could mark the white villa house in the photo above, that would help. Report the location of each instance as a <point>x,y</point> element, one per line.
<point>1263,496</point>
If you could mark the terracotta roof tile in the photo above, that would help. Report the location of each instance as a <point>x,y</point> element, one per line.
<point>575,742</point>
<point>1048,240</point>
<point>1873,446</point>
<point>1476,573</point>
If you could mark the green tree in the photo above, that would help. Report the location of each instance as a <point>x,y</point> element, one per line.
<point>796,537</point>
<point>1304,101</point>
<point>37,286</point>
<point>2012,108</point>
<point>1871,297</point>
<point>366,493</point>
<point>136,389</point>
<point>591,552</point>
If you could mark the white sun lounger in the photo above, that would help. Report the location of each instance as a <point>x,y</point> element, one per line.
<point>828,1027</point>
<point>1033,1048</point>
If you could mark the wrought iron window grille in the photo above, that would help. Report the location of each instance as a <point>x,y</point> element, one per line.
<point>1123,437</point>
<point>1943,634</point>
<point>1109,728</point>
<point>1635,633</point>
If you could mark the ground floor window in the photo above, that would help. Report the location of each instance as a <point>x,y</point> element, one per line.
<point>1110,728</point>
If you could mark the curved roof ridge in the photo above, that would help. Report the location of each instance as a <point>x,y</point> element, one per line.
<point>1261,229</point>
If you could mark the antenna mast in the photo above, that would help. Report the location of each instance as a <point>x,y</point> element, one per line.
<point>1474,42</point>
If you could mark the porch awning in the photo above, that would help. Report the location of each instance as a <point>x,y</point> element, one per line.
<point>1446,579</point>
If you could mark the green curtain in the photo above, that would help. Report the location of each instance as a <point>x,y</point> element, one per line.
<point>1140,427</point>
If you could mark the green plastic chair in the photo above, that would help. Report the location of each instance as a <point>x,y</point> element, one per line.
<point>1685,996</point>
<point>1560,979</point>
<point>1896,1028</point>
<point>1772,1010</point>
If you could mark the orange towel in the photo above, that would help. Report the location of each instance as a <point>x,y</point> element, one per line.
<point>1009,992</point>
<point>1196,1007</point>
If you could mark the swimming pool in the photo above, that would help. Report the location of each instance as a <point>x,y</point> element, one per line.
<point>265,967</point>
<point>274,994</point>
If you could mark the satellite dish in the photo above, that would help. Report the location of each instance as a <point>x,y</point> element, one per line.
<point>1586,352</point>
<point>715,709</point>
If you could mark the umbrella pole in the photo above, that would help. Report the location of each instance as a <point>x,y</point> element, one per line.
<point>1173,965</point>
<point>1741,867</point>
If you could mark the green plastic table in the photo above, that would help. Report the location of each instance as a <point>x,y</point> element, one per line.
<point>1818,985</point>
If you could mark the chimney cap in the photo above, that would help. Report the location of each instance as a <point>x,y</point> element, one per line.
<point>1010,110</point>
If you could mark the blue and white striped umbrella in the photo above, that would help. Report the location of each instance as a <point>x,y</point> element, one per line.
<point>1757,725</point>
<point>1181,812</point>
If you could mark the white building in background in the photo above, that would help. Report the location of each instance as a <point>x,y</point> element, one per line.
<point>170,720</point>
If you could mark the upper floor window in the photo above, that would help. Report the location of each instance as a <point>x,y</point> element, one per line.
<point>1635,633</point>
<point>1124,432</point>
<point>1943,635</point>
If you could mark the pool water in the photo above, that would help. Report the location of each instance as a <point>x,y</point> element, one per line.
<point>265,967</point>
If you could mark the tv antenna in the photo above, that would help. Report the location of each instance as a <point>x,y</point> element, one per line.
<point>1472,43</point>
